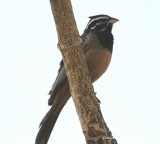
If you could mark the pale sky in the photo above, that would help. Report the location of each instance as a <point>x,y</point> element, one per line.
<point>29,59</point>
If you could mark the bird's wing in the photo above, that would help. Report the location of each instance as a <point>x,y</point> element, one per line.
<point>62,75</point>
<point>59,80</point>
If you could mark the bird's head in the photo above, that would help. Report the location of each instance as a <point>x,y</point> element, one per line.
<point>100,23</point>
<point>99,28</point>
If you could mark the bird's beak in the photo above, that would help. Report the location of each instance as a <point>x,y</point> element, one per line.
<point>113,20</point>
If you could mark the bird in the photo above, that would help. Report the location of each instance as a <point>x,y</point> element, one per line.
<point>98,47</point>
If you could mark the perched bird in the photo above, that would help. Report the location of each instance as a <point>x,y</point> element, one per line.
<point>98,46</point>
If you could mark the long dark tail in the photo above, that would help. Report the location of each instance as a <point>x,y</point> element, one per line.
<point>47,125</point>
<point>48,122</point>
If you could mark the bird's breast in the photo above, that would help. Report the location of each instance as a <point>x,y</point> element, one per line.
<point>97,59</point>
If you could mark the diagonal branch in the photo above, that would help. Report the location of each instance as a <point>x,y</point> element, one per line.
<point>70,45</point>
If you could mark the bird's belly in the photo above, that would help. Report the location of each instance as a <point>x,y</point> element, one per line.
<point>97,61</point>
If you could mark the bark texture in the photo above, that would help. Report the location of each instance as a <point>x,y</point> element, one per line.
<point>70,45</point>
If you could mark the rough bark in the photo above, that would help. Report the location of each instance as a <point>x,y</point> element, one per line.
<point>70,45</point>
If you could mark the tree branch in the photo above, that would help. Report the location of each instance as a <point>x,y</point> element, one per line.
<point>70,45</point>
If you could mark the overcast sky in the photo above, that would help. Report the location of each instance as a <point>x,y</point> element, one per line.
<point>29,59</point>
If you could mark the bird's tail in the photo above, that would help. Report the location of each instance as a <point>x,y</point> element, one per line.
<point>47,125</point>
<point>48,122</point>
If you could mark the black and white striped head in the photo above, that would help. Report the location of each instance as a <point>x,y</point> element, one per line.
<point>100,23</point>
